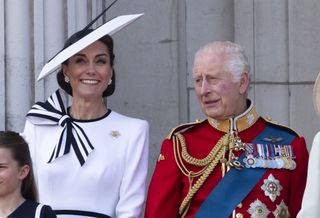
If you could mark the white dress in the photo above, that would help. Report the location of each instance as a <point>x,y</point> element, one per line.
<point>311,198</point>
<point>112,181</point>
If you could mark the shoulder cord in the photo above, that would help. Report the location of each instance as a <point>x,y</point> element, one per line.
<point>215,154</point>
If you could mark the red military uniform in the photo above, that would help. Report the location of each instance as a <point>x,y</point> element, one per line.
<point>277,194</point>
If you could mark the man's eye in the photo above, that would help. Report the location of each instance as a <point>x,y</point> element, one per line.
<point>197,80</point>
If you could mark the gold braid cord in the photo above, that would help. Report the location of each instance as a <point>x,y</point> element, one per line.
<point>208,163</point>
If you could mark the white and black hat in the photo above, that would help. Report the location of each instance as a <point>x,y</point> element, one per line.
<point>84,38</point>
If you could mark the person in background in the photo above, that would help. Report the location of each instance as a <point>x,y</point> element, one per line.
<point>311,199</point>
<point>18,193</point>
<point>90,161</point>
<point>234,163</point>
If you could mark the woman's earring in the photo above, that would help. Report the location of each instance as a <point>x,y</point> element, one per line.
<point>66,79</point>
<point>110,81</point>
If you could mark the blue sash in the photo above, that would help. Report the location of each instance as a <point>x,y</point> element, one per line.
<point>236,184</point>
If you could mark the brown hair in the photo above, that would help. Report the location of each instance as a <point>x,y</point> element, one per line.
<point>108,41</point>
<point>20,153</point>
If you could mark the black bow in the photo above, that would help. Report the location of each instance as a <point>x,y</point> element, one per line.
<point>54,112</point>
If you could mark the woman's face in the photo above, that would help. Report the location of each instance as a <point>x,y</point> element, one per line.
<point>89,71</point>
<point>11,174</point>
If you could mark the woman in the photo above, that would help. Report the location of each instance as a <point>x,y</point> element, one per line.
<point>311,198</point>
<point>89,160</point>
<point>18,194</point>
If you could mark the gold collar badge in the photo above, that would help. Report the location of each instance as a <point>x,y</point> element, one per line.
<point>161,157</point>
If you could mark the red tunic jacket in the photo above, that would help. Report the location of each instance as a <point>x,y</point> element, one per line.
<point>169,185</point>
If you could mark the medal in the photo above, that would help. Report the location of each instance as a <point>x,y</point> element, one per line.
<point>281,211</point>
<point>274,156</point>
<point>271,187</point>
<point>250,161</point>
<point>258,209</point>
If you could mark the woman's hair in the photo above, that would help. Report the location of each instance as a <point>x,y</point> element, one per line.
<point>20,153</point>
<point>108,41</point>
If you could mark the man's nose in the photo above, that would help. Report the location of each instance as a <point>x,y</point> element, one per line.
<point>205,88</point>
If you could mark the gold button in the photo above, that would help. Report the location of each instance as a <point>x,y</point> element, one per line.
<point>239,205</point>
<point>239,215</point>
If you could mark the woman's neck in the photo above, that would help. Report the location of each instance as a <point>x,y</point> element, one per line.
<point>9,204</point>
<point>84,110</point>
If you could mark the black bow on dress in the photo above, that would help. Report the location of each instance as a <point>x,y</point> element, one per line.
<point>54,112</point>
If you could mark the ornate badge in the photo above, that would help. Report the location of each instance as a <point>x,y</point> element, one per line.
<point>114,134</point>
<point>250,161</point>
<point>258,209</point>
<point>271,187</point>
<point>273,139</point>
<point>282,211</point>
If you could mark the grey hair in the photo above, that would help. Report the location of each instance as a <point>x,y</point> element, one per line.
<point>236,60</point>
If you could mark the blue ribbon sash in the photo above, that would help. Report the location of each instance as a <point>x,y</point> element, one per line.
<point>237,184</point>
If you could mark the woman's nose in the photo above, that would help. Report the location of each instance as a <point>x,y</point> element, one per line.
<point>91,68</point>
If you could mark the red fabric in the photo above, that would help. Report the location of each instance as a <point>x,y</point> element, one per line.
<point>169,186</point>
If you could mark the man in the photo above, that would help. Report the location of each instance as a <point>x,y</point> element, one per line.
<point>234,163</point>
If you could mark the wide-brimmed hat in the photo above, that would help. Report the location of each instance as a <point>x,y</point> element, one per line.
<point>316,95</point>
<point>108,28</point>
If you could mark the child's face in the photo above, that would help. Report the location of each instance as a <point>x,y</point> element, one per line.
<point>11,174</point>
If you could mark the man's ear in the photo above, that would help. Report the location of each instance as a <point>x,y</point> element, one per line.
<point>244,82</point>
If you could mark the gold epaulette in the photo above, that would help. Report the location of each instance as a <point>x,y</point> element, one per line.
<point>184,127</point>
<point>281,126</point>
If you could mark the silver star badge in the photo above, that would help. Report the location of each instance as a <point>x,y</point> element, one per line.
<point>282,211</point>
<point>258,209</point>
<point>271,187</point>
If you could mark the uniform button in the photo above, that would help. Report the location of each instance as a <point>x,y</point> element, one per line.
<point>239,215</point>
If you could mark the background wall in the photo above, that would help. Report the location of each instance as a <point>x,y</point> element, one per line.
<point>154,56</point>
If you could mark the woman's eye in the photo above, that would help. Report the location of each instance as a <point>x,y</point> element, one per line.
<point>101,61</point>
<point>79,60</point>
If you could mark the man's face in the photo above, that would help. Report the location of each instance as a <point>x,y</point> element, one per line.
<point>220,96</point>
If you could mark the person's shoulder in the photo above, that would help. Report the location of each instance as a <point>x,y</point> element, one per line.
<point>186,127</point>
<point>122,120</point>
<point>121,117</point>
<point>279,126</point>
<point>47,211</point>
